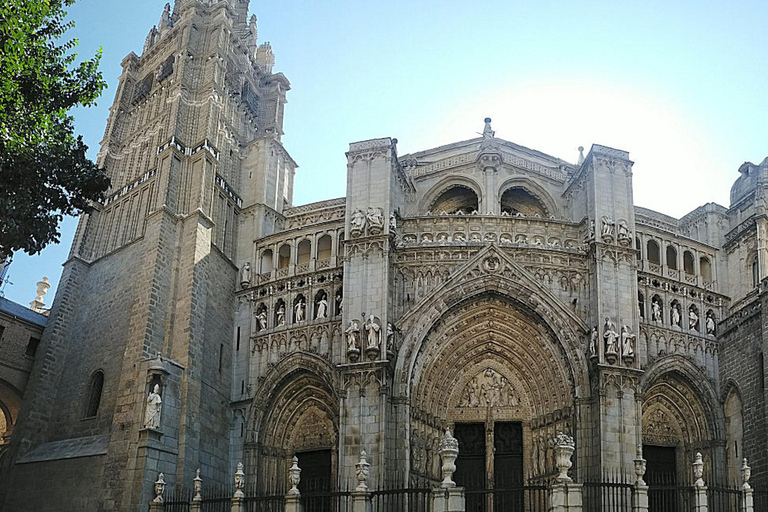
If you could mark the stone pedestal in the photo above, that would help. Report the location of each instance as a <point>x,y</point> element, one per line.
<point>196,506</point>
<point>361,501</point>
<point>747,501</point>
<point>448,500</point>
<point>700,499</point>
<point>292,503</point>
<point>565,498</point>
<point>640,499</point>
<point>156,507</point>
<point>238,504</point>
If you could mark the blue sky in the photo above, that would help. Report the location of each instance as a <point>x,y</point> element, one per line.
<point>680,85</point>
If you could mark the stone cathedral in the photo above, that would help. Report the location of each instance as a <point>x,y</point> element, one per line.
<point>204,319</point>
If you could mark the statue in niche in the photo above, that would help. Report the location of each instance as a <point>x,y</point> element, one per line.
<point>392,221</point>
<point>281,315</point>
<point>373,329</point>
<point>261,319</point>
<point>593,343</point>
<point>353,332</point>
<point>710,323</point>
<point>357,222</point>
<point>607,226</point>
<point>322,307</point>
<point>459,237</point>
<point>245,275</point>
<point>390,338</point>
<point>154,407</point>
<point>623,230</point>
<point>693,320</point>
<point>627,342</point>
<point>339,303</point>
<point>590,234</point>
<point>675,314</point>
<point>521,239</point>
<point>656,310</point>
<point>611,338</point>
<point>300,310</point>
<point>375,220</point>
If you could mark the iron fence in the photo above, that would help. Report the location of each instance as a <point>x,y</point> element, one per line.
<point>611,496</point>
<point>671,498</point>
<point>177,500</point>
<point>723,499</point>
<point>528,498</point>
<point>217,499</point>
<point>265,503</point>
<point>760,499</point>
<point>326,501</point>
<point>401,500</point>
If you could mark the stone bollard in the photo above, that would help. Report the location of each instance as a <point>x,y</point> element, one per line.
<point>293,498</point>
<point>747,500</point>
<point>361,496</point>
<point>238,500</point>
<point>197,499</point>
<point>640,495</point>
<point>565,496</point>
<point>157,504</point>
<point>700,489</point>
<point>448,497</point>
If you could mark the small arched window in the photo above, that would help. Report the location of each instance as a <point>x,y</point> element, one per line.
<point>755,272</point>
<point>304,252</point>
<point>653,252</point>
<point>324,248</point>
<point>688,263</point>
<point>284,257</point>
<point>671,257</point>
<point>706,268</point>
<point>94,394</point>
<point>266,262</point>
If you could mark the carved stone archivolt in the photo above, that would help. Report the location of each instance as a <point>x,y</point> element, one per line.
<point>489,389</point>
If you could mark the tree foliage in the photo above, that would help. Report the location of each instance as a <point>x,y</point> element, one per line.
<point>44,171</point>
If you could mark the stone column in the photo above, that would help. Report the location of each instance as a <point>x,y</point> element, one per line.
<point>361,496</point>
<point>640,495</point>
<point>448,497</point>
<point>565,496</point>
<point>293,498</point>
<point>157,504</point>
<point>700,489</point>
<point>747,500</point>
<point>238,500</point>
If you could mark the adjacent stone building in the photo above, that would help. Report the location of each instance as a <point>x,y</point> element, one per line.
<point>202,319</point>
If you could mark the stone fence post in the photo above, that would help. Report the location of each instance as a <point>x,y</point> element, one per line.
<point>238,500</point>
<point>197,499</point>
<point>747,500</point>
<point>157,504</point>
<point>448,497</point>
<point>640,495</point>
<point>361,496</point>
<point>564,496</point>
<point>293,498</point>
<point>700,489</point>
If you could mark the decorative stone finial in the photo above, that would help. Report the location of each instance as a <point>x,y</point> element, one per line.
<point>640,466</point>
<point>746,473</point>
<point>159,489</point>
<point>198,486</point>
<point>362,471</point>
<point>698,470</point>
<point>564,447</point>
<point>38,304</point>
<point>449,450</point>
<point>294,477</point>
<point>581,155</point>
<point>239,481</point>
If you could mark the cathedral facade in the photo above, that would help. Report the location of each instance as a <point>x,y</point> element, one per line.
<point>202,319</point>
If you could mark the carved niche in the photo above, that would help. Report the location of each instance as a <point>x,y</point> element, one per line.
<point>489,389</point>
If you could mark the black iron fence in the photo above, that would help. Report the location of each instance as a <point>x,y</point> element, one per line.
<point>528,498</point>
<point>607,496</point>
<point>724,499</point>
<point>326,501</point>
<point>671,498</point>
<point>760,499</point>
<point>401,500</point>
<point>265,503</point>
<point>177,500</point>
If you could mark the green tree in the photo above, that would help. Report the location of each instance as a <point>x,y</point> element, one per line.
<point>44,171</point>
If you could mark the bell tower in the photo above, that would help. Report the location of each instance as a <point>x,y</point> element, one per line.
<point>135,376</point>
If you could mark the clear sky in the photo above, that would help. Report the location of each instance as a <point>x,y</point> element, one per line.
<point>680,85</point>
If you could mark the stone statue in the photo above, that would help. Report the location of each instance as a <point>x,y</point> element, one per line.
<point>487,132</point>
<point>623,230</point>
<point>656,311</point>
<point>357,222</point>
<point>693,319</point>
<point>154,406</point>
<point>676,315</point>
<point>339,304</point>
<point>375,220</point>
<point>611,337</point>
<point>245,275</point>
<point>261,318</point>
<point>390,338</point>
<point>281,315</point>
<point>300,309</point>
<point>392,221</point>
<point>373,329</point>
<point>627,342</point>
<point>593,343</point>
<point>353,331</point>
<point>710,324</point>
<point>322,307</point>
<point>607,229</point>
